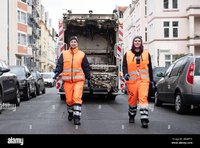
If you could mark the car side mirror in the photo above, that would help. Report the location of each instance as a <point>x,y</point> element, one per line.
<point>160,74</point>
<point>28,74</point>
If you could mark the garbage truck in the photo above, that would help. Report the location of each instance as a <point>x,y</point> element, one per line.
<point>98,38</point>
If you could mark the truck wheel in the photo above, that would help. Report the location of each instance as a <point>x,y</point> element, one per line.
<point>112,97</point>
<point>62,97</point>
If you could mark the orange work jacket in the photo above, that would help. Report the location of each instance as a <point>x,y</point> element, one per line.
<point>138,71</point>
<point>72,69</point>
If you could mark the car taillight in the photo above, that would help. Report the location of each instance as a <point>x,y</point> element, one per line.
<point>190,74</point>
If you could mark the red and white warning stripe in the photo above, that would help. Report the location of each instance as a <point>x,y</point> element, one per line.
<point>61,37</point>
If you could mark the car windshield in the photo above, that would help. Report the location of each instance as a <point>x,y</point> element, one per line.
<point>19,71</point>
<point>47,76</point>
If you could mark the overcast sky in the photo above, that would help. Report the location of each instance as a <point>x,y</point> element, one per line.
<point>57,7</point>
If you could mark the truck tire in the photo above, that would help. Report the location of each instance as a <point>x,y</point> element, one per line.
<point>111,97</point>
<point>62,97</point>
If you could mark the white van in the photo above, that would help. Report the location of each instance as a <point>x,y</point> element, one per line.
<point>48,79</point>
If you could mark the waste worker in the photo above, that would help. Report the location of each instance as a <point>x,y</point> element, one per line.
<point>74,66</point>
<point>137,71</point>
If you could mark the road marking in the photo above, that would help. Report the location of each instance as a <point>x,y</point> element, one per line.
<point>192,106</point>
<point>53,106</point>
<point>100,107</point>
<point>122,127</point>
<point>76,127</point>
<point>169,126</point>
<point>30,127</point>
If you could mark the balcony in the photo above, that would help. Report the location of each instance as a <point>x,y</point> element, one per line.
<point>193,10</point>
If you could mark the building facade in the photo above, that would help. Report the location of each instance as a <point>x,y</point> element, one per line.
<point>169,28</point>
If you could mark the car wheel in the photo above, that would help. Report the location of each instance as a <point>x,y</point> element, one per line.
<point>44,90</point>
<point>157,101</point>
<point>27,95</point>
<point>34,93</point>
<point>179,105</point>
<point>17,98</point>
<point>38,90</point>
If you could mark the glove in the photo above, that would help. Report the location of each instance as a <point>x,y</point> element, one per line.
<point>89,83</point>
<point>152,84</point>
<point>55,76</point>
<point>127,76</point>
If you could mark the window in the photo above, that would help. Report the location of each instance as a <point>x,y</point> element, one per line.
<point>176,68</point>
<point>145,34</point>
<point>22,17</point>
<point>168,71</point>
<point>166,4</point>
<point>168,60</point>
<point>170,29</point>
<point>22,39</point>
<point>23,1</point>
<point>174,4</point>
<point>166,29</point>
<point>175,28</point>
<point>170,4</point>
<point>145,7</point>
<point>18,62</point>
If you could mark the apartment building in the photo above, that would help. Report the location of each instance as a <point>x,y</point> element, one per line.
<point>48,43</point>
<point>169,28</point>
<point>21,35</point>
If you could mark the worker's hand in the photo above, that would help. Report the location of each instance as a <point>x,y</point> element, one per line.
<point>127,76</point>
<point>152,84</point>
<point>89,83</point>
<point>55,76</point>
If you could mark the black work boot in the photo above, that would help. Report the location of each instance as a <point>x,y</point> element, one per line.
<point>144,123</point>
<point>132,112</point>
<point>70,116</point>
<point>77,120</point>
<point>131,118</point>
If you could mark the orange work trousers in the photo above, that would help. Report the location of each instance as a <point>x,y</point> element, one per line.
<point>73,92</point>
<point>138,92</point>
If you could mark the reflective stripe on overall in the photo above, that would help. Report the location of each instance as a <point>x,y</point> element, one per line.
<point>138,84</point>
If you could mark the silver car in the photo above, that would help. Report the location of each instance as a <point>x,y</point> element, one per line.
<point>180,84</point>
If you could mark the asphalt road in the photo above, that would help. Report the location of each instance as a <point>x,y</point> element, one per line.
<point>47,114</point>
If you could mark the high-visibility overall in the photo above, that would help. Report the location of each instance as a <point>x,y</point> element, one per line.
<point>138,83</point>
<point>73,77</point>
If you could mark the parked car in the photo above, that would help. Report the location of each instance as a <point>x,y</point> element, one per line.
<point>48,79</point>
<point>9,86</point>
<point>27,82</point>
<point>40,86</point>
<point>180,84</point>
<point>156,70</point>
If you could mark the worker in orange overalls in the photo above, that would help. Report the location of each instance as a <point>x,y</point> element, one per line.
<point>137,71</point>
<point>74,66</point>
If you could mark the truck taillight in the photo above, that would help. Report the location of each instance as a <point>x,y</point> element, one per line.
<point>190,74</point>
<point>58,84</point>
